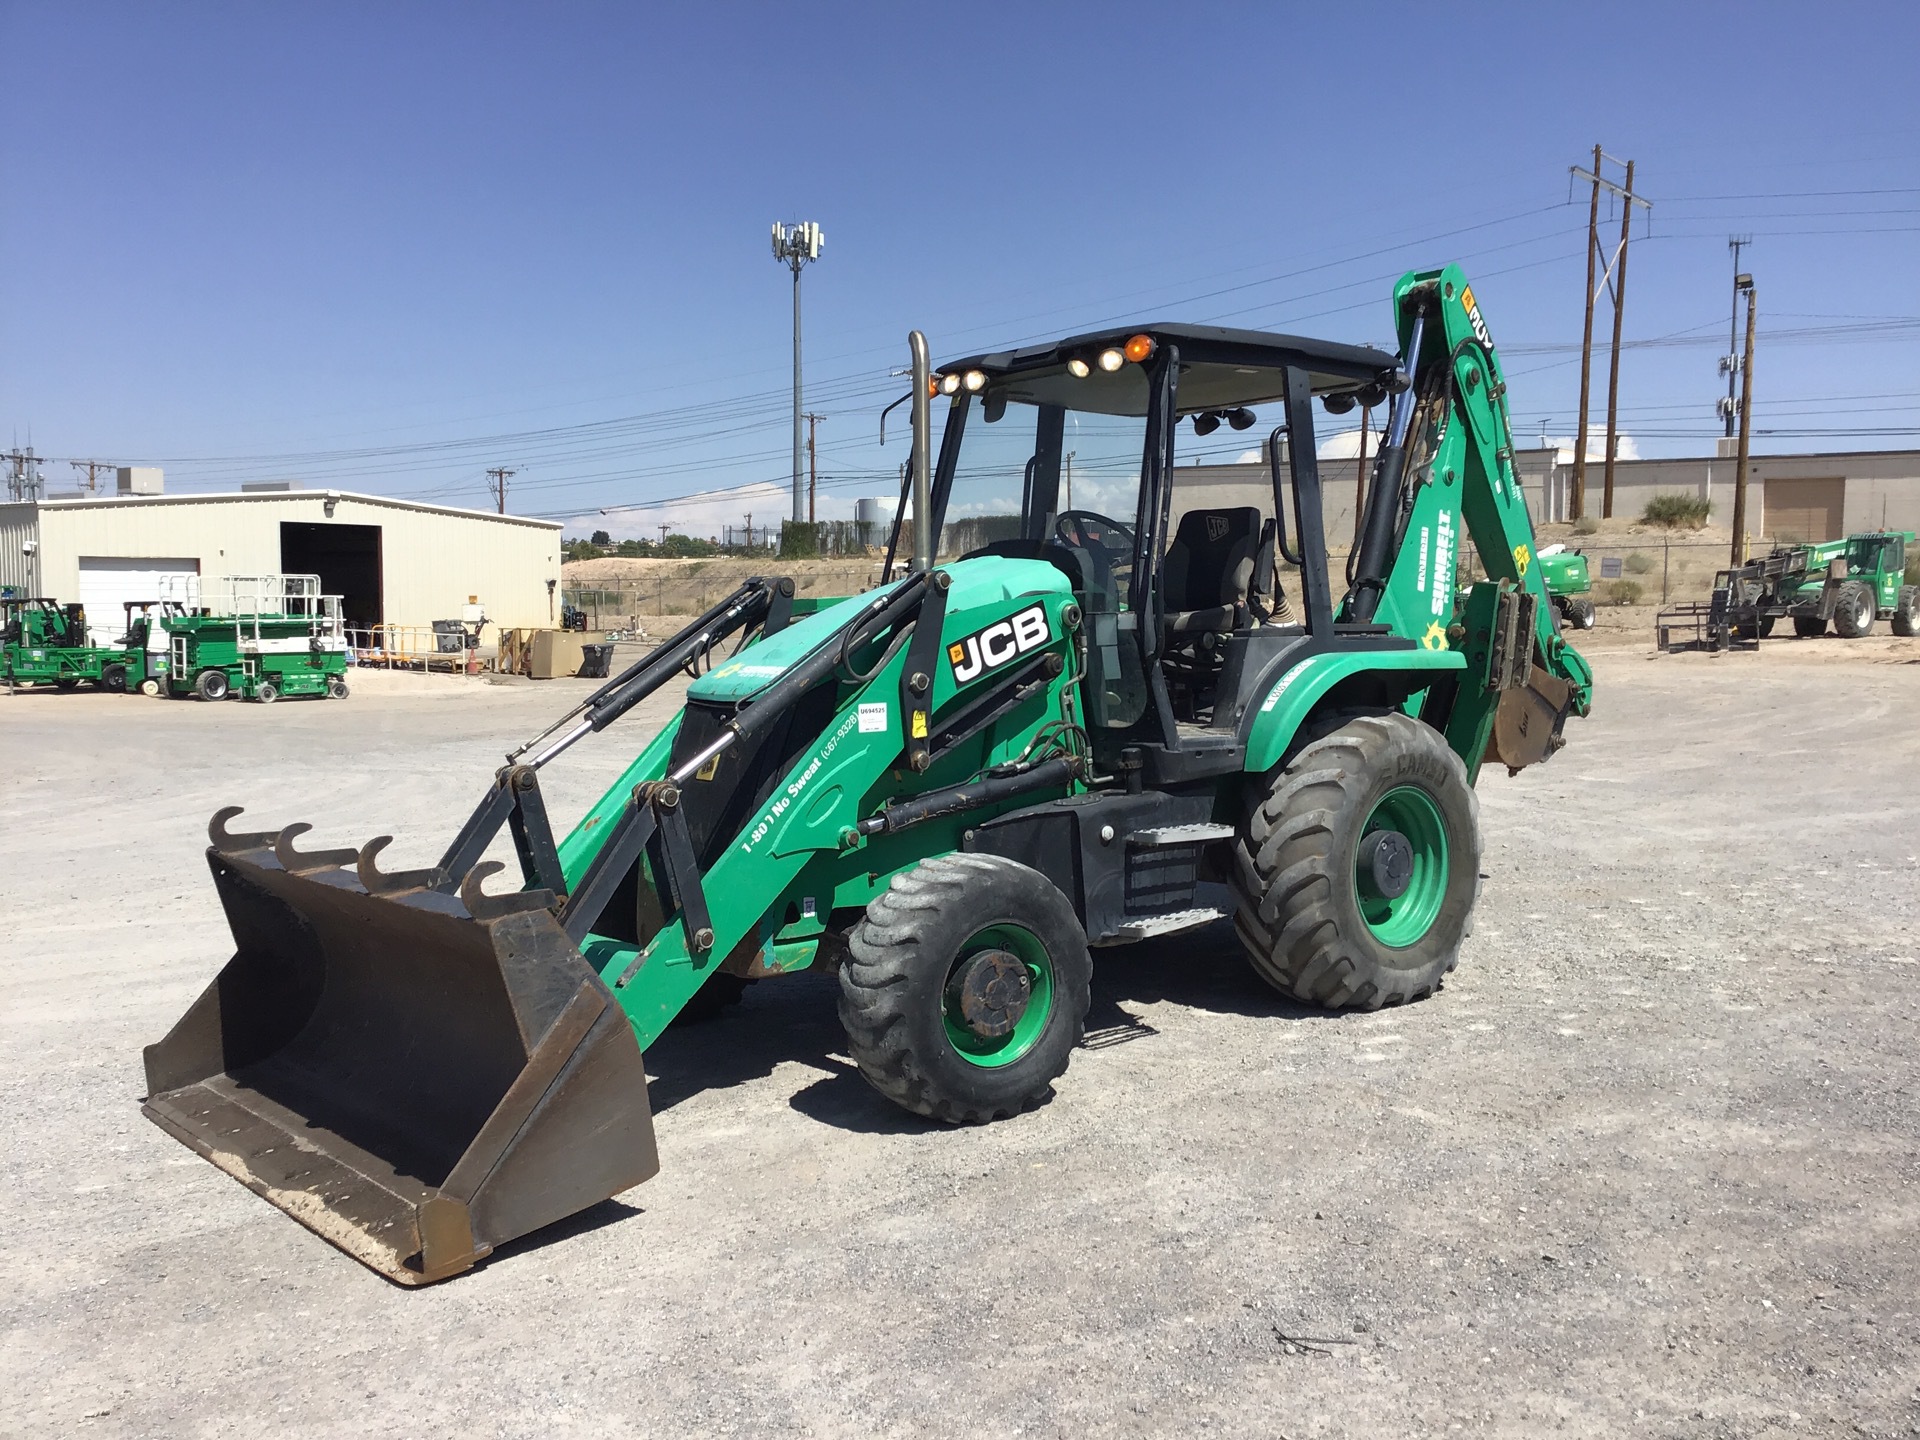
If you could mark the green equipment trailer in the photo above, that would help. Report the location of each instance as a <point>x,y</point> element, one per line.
<point>43,642</point>
<point>950,792</point>
<point>259,637</point>
<point>1848,584</point>
<point>1568,584</point>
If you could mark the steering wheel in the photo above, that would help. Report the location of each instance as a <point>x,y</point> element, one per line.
<point>1105,542</point>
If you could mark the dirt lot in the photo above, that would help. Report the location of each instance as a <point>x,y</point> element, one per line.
<point>1649,1165</point>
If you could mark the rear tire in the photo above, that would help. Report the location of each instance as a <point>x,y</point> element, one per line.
<point>1580,612</point>
<point>1313,918</point>
<point>211,685</point>
<point>965,988</point>
<point>336,689</point>
<point>1808,626</point>
<point>1906,612</point>
<point>1854,610</point>
<point>114,678</point>
<point>150,688</point>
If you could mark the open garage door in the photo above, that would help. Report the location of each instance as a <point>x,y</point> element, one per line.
<point>347,560</point>
<point>108,582</point>
<point>1805,510</point>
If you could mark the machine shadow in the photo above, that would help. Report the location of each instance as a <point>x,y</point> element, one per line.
<point>793,1019</point>
<point>584,1222</point>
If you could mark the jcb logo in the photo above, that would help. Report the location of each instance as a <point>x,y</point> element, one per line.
<point>988,649</point>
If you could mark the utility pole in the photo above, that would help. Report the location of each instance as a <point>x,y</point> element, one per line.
<point>1743,282</point>
<point>749,532</point>
<point>1613,280</point>
<point>92,467</point>
<point>24,481</point>
<point>1613,366</point>
<point>1730,362</point>
<point>794,246</point>
<point>813,467</point>
<point>1069,459</point>
<point>500,475</point>
<point>663,532</point>
<point>1586,349</point>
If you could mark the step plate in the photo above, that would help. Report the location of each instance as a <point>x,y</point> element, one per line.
<point>1201,834</point>
<point>1145,927</point>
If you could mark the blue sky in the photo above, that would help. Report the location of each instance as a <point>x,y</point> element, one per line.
<point>385,247</point>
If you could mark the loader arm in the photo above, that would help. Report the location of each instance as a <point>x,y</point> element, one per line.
<point>1447,465</point>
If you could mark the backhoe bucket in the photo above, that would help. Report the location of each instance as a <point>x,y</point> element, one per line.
<point>414,1076</point>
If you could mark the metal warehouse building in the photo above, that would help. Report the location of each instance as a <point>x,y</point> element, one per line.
<point>394,562</point>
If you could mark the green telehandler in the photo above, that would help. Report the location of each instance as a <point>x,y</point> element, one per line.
<point>1847,583</point>
<point>949,790</point>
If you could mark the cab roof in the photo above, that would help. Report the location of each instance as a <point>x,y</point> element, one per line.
<point>1219,368</point>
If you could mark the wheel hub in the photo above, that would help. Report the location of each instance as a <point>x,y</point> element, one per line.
<point>1386,863</point>
<point>989,992</point>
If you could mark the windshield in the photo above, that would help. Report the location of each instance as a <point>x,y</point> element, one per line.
<point>1073,461</point>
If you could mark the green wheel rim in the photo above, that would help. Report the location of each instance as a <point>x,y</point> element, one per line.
<point>1004,1049</point>
<point>1402,921</point>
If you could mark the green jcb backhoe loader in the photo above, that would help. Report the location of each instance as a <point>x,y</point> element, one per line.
<point>950,790</point>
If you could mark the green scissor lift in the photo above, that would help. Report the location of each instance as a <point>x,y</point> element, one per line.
<point>260,637</point>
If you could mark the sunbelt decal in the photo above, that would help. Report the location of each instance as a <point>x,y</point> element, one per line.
<point>1442,567</point>
<point>973,655</point>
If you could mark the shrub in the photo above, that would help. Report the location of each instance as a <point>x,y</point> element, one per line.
<point>1638,564</point>
<point>1623,592</point>
<point>1675,511</point>
<point>1586,525</point>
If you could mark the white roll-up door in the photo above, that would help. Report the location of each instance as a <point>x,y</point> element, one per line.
<point>107,582</point>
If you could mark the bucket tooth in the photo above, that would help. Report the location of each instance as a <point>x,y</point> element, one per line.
<point>232,842</point>
<point>400,882</point>
<point>482,906</point>
<point>295,863</point>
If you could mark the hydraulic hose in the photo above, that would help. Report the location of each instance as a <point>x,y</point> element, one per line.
<point>1383,500</point>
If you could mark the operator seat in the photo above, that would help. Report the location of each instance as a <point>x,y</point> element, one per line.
<point>1208,572</point>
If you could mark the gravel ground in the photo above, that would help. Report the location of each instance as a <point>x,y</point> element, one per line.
<point>1647,1165</point>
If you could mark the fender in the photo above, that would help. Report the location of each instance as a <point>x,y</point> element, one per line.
<point>1292,699</point>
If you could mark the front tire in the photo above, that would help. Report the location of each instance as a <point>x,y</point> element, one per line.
<point>149,687</point>
<point>1358,869</point>
<point>1808,626</point>
<point>1854,610</point>
<point>266,692</point>
<point>211,685</point>
<point>1580,612</point>
<point>965,988</point>
<point>114,678</point>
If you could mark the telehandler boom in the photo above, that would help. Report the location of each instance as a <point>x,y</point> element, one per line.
<point>949,790</point>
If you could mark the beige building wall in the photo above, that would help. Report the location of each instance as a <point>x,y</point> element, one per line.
<point>19,545</point>
<point>432,558</point>
<point>1881,487</point>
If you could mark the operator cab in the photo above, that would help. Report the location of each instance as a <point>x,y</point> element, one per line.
<point>1069,452</point>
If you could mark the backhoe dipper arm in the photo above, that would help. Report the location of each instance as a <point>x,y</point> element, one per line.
<point>1454,465</point>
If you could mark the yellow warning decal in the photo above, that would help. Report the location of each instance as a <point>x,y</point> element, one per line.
<point>919,724</point>
<point>1435,638</point>
<point>1522,557</point>
<point>708,770</point>
<point>1466,297</point>
<point>956,653</point>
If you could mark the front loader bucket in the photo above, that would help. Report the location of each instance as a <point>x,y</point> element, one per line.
<point>414,1076</point>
